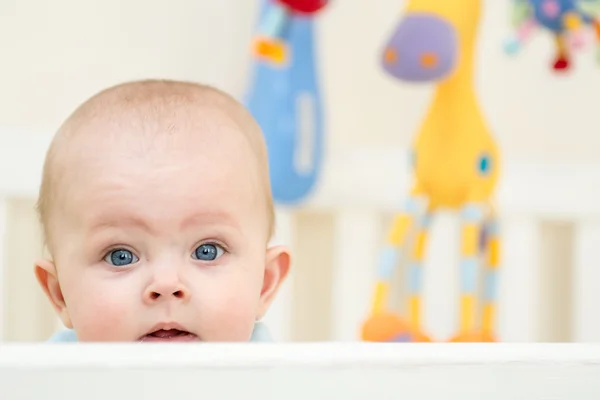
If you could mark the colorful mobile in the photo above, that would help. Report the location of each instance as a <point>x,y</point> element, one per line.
<point>574,24</point>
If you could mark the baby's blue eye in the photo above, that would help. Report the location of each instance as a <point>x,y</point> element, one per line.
<point>208,252</point>
<point>120,258</point>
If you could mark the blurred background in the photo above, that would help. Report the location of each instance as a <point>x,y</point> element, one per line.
<point>57,54</point>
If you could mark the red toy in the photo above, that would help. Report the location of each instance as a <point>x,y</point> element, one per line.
<point>304,6</point>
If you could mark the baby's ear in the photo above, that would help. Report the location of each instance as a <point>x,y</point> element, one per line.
<point>45,271</point>
<point>276,270</point>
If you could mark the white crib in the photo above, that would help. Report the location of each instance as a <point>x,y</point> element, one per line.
<point>550,280</point>
<point>549,215</point>
<point>301,371</point>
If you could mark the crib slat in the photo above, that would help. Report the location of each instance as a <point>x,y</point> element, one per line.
<point>519,286</point>
<point>279,316</point>
<point>441,277</point>
<point>586,283</point>
<point>3,305</point>
<point>358,235</point>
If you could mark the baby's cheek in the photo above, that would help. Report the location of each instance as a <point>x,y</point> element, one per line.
<point>102,313</point>
<point>229,311</point>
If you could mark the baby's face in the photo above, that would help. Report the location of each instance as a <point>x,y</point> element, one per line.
<point>164,239</point>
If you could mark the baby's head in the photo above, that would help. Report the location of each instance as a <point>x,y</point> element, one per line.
<point>157,212</point>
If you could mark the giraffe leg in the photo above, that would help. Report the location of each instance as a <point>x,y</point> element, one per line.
<point>382,325</point>
<point>269,44</point>
<point>415,277</point>
<point>472,221</point>
<point>491,267</point>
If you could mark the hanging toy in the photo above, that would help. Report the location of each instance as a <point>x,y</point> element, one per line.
<point>571,22</point>
<point>285,97</point>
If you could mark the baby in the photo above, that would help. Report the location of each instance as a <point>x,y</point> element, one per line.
<point>157,212</point>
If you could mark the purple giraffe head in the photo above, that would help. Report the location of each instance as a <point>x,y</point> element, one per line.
<point>423,48</point>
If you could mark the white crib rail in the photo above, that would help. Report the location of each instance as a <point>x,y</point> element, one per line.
<point>318,371</point>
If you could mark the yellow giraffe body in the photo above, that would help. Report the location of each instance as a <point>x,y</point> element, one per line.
<point>449,154</point>
<point>454,133</point>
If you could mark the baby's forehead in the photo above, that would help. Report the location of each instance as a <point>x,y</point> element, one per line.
<point>168,181</point>
<point>157,126</point>
<point>168,151</point>
<point>161,130</point>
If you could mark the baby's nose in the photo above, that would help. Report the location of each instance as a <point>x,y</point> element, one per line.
<point>165,288</point>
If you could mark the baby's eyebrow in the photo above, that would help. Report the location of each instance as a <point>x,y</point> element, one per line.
<point>210,217</point>
<point>132,220</point>
<point>118,221</point>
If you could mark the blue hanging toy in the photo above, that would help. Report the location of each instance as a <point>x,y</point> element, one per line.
<point>567,20</point>
<point>285,98</point>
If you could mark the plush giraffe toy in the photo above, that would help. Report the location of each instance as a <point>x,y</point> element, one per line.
<point>456,165</point>
<point>569,21</point>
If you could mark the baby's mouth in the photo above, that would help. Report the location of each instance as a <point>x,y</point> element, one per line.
<point>170,335</point>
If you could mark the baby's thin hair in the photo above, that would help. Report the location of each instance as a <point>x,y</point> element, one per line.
<point>146,98</point>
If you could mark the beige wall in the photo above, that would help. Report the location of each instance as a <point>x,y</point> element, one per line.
<point>55,54</point>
